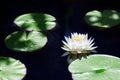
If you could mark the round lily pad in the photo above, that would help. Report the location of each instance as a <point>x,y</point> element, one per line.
<point>35,21</point>
<point>105,19</point>
<point>11,69</point>
<point>25,42</point>
<point>96,67</point>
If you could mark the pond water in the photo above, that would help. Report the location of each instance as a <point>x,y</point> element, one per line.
<point>47,63</point>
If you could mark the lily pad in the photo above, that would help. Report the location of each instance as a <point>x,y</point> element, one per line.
<point>105,19</point>
<point>35,21</point>
<point>25,42</point>
<point>11,69</point>
<point>96,67</point>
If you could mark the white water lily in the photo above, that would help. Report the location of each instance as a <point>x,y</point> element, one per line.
<point>78,43</point>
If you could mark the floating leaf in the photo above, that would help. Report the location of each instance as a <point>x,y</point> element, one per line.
<point>21,41</point>
<point>35,21</point>
<point>96,67</point>
<point>105,19</point>
<point>11,69</point>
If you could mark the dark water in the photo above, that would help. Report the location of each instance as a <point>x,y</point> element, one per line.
<point>47,63</point>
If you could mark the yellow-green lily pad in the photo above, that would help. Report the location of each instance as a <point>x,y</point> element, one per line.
<point>35,21</point>
<point>11,69</point>
<point>26,42</point>
<point>105,19</point>
<point>96,67</point>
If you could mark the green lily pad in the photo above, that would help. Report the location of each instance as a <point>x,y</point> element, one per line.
<point>96,67</point>
<point>25,42</point>
<point>105,19</point>
<point>11,69</point>
<point>35,21</point>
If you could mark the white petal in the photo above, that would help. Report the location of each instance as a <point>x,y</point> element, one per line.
<point>93,47</point>
<point>65,43</point>
<point>66,49</point>
<point>67,39</point>
<point>91,44</point>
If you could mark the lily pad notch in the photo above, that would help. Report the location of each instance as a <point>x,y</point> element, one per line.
<point>105,19</point>
<point>96,67</point>
<point>35,22</point>
<point>20,41</point>
<point>31,38</point>
<point>11,69</point>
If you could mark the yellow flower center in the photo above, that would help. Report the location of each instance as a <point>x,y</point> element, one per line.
<point>78,38</point>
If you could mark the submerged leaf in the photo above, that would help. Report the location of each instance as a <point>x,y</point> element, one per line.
<point>96,67</point>
<point>11,69</point>
<point>20,41</point>
<point>35,21</point>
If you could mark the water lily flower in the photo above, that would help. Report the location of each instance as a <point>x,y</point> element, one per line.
<point>78,43</point>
